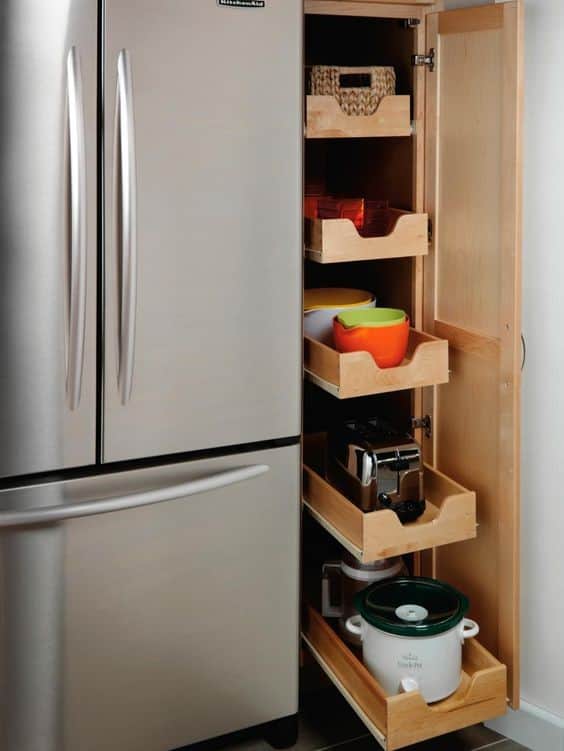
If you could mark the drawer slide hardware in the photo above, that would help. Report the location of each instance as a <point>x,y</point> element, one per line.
<point>423,423</point>
<point>428,60</point>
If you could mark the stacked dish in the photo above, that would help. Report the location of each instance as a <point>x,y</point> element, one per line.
<point>322,304</point>
<point>383,332</point>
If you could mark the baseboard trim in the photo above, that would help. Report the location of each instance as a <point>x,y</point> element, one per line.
<point>533,727</point>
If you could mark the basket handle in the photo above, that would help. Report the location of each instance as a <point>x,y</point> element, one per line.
<point>350,71</point>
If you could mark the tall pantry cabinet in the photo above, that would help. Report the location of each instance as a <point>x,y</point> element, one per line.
<point>446,151</point>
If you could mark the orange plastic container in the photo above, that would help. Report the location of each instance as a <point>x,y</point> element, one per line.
<point>342,208</point>
<point>386,344</point>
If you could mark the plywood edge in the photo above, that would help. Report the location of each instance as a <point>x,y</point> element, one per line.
<point>330,388</point>
<point>326,119</point>
<point>453,500</point>
<point>334,507</point>
<point>441,485</point>
<point>322,360</point>
<point>418,338</point>
<point>348,670</point>
<point>477,657</point>
<point>378,8</point>
<point>486,684</point>
<point>333,531</point>
<point>376,732</point>
<point>338,240</point>
<point>510,362</point>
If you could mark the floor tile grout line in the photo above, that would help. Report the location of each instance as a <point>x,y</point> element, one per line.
<point>367,735</point>
<point>491,745</point>
<point>342,743</point>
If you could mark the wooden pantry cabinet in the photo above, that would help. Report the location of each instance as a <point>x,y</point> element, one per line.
<point>446,149</point>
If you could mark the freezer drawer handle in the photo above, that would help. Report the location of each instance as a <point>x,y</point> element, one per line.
<point>50,514</point>
<point>127,224</point>
<point>77,275</point>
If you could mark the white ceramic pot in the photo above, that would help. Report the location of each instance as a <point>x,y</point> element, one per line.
<point>429,664</point>
<point>318,324</point>
<point>412,631</point>
<point>322,305</point>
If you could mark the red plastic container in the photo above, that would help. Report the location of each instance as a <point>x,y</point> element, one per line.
<point>341,208</point>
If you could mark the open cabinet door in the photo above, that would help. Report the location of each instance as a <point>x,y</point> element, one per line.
<point>472,298</point>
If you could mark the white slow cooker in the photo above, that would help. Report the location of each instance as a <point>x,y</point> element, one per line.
<point>412,631</point>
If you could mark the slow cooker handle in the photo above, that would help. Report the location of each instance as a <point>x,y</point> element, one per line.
<point>353,625</point>
<point>468,629</point>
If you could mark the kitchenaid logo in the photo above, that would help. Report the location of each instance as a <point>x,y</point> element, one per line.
<point>410,661</point>
<point>243,3</point>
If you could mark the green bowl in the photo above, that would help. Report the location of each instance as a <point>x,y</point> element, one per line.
<point>371,317</point>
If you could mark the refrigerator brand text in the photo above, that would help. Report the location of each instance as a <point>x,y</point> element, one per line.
<point>243,3</point>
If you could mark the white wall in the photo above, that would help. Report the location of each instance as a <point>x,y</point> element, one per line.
<point>543,392</point>
<point>542,564</point>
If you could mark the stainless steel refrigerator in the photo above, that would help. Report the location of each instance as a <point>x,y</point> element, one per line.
<point>150,370</point>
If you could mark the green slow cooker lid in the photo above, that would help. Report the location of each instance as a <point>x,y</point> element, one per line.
<point>412,606</point>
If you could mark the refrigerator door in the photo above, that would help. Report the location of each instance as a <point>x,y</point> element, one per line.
<point>203,233</point>
<point>150,609</point>
<point>47,235</point>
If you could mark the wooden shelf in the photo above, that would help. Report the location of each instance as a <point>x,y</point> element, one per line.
<point>352,374</point>
<point>450,514</point>
<point>326,119</point>
<point>359,7</point>
<point>404,719</point>
<point>338,240</point>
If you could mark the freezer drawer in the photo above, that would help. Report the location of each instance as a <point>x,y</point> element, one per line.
<point>47,235</point>
<point>153,626</point>
<point>203,139</point>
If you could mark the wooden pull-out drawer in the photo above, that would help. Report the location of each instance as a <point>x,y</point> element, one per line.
<point>338,240</point>
<point>326,119</point>
<point>450,514</point>
<point>398,721</point>
<point>352,374</point>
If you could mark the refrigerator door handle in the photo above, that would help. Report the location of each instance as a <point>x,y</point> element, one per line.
<point>50,514</point>
<point>77,275</point>
<point>127,224</point>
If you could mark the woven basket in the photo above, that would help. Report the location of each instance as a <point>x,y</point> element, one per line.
<point>331,80</point>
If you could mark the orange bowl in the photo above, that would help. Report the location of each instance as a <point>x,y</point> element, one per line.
<point>386,344</point>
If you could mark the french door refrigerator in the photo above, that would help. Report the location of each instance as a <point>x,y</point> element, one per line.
<point>150,370</point>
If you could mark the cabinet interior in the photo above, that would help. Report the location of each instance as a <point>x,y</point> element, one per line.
<point>405,171</point>
<point>361,41</point>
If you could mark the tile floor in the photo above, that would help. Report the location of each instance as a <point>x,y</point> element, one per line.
<point>327,722</point>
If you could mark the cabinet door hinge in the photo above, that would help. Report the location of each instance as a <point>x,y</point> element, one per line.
<point>430,231</point>
<point>423,423</point>
<point>411,23</point>
<point>429,60</point>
